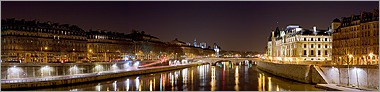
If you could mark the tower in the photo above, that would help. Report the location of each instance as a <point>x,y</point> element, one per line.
<point>195,42</point>
<point>216,49</point>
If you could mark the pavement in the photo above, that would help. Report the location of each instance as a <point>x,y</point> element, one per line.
<point>49,78</point>
<point>335,87</point>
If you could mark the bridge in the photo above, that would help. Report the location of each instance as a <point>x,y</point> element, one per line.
<point>214,61</point>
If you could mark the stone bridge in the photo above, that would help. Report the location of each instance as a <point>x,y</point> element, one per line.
<point>213,61</point>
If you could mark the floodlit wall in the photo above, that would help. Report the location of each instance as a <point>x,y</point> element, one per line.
<point>360,76</point>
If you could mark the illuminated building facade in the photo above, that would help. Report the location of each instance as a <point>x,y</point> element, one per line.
<point>107,46</point>
<point>356,39</point>
<point>298,44</point>
<point>191,51</point>
<point>147,47</point>
<point>33,41</point>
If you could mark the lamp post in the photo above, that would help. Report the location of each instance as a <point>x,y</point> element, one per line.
<point>90,55</point>
<point>340,58</point>
<point>370,59</point>
<point>348,69</point>
<point>45,54</point>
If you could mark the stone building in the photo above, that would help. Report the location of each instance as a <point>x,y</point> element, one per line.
<point>356,38</point>
<point>108,46</point>
<point>34,41</point>
<point>190,51</point>
<point>299,44</point>
<point>147,47</point>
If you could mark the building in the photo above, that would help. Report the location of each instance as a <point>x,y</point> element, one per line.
<point>203,45</point>
<point>195,43</point>
<point>34,41</point>
<point>191,51</point>
<point>299,44</point>
<point>356,39</point>
<point>105,45</point>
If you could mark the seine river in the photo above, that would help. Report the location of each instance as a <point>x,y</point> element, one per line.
<point>222,77</point>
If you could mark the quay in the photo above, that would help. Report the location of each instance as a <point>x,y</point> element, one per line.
<point>87,77</point>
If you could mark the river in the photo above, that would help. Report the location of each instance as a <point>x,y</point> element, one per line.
<point>222,77</point>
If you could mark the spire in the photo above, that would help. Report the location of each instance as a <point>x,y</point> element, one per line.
<point>277,32</point>
<point>277,23</point>
<point>195,42</point>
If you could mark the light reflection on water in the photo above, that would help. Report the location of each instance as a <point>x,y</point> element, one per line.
<point>223,76</point>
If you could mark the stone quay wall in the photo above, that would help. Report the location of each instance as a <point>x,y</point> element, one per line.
<point>297,72</point>
<point>361,76</point>
<point>94,77</point>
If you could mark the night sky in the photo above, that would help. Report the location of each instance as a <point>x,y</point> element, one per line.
<point>238,26</point>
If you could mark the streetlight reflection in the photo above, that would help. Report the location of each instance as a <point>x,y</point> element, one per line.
<point>213,80</point>
<point>237,78</point>
<point>127,84</point>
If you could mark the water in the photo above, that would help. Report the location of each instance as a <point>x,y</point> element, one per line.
<point>221,77</point>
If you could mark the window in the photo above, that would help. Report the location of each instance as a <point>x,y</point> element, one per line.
<point>311,39</point>
<point>319,45</point>
<point>304,39</point>
<point>325,45</point>
<point>312,52</point>
<point>326,52</point>
<point>319,39</point>
<point>304,45</point>
<point>312,45</point>
<point>319,52</point>
<point>304,52</point>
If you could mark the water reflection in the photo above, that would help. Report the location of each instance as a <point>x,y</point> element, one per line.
<point>213,80</point>
<point>225,76</point>
<point>127,85</point>
<point>236,78</point>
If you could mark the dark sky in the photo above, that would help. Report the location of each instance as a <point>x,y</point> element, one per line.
<point>239,26</point>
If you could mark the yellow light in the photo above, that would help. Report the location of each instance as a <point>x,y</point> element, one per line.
<point>370,54</point>
<point>350,56</point>
<point>46,48</point>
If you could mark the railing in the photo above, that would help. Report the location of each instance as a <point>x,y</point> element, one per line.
<point>52,78</point>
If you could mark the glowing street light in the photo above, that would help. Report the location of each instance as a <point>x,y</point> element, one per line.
<point>348,69</point>
<point>46,48</point>
<point>46,71</point>
<point>370,57</point>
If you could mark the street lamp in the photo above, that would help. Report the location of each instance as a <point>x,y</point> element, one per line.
<point>370,61</point>
<point>348,68</point>
<point>370,57</point>
<point>45,55</point>
<point>89,55</point>
<point>340,59</point>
